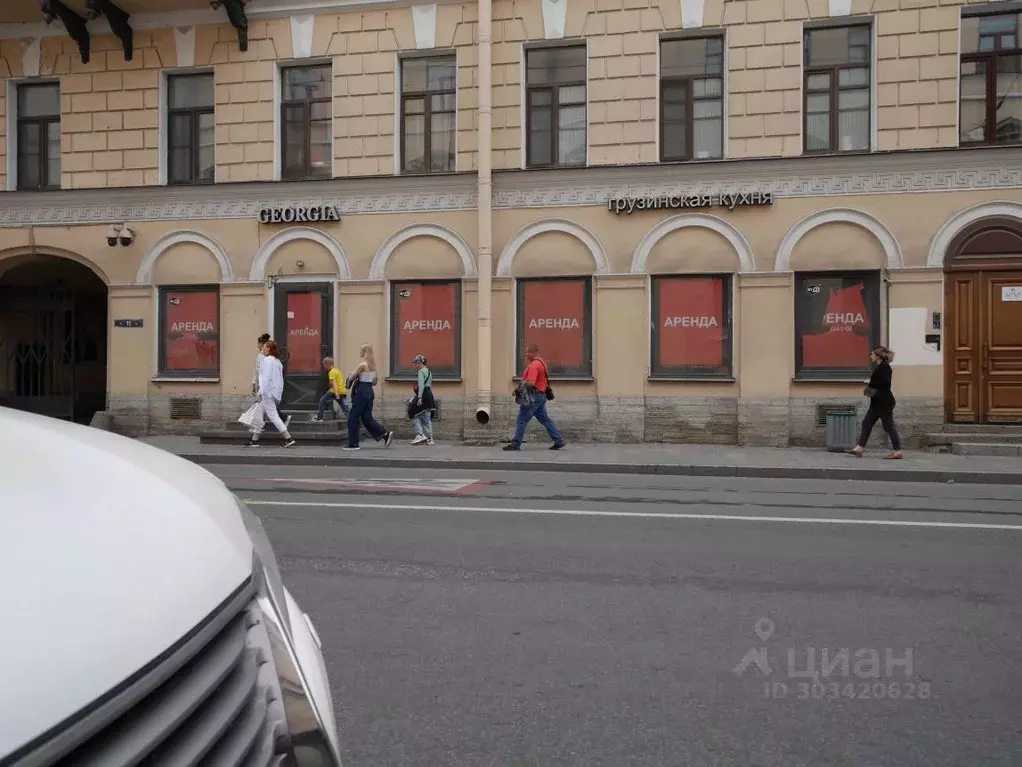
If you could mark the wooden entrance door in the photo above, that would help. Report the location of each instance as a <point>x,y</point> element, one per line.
<point>984,338</point>
<point>303,326</point>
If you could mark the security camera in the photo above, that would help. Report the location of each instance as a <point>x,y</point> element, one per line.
<point>111,236</point>
<point>127,235</point>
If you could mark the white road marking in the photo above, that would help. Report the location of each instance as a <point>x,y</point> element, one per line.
<point>454,486</point>
<point>640,514</point>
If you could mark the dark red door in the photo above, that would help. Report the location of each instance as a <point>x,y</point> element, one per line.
<point>303,328</point>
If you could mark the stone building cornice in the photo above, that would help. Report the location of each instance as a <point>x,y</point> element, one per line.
<point>255,10</point>
<point>839,176</point>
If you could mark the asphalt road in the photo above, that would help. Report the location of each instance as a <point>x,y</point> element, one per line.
<point>568,619</point>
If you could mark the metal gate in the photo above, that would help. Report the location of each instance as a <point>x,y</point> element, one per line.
<point>38,350</point>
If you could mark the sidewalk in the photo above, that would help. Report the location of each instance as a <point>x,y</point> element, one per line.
<point>677,460</point>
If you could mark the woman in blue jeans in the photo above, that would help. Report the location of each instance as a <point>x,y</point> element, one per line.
<point>361,383</point>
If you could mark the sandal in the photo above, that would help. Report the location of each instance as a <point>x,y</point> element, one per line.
<point>895,455</point>
<point>856,453</point>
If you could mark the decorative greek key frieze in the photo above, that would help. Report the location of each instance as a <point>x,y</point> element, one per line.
<point>778,186</point>
<point>794,177</point>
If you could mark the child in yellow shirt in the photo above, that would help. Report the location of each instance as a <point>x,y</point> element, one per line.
<point>336,397</point>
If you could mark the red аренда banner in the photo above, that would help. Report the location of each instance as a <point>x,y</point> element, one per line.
<point>425,320</point>
<point>304,333</point>
<point>192,328</point>
<point>553,317</point>
<point>691,322</point>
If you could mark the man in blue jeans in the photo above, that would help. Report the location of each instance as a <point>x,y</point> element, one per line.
<point>531,396</point>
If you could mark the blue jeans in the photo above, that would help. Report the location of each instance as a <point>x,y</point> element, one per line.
<point>362,412</point>
<point>326,402</point>
<point>536,410</point>
<point>422,424</point>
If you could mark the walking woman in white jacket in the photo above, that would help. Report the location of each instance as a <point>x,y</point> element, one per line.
<point>261,343</point>
<point>271,390</point>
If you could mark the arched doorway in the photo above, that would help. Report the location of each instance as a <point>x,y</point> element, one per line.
<point>983,335</point>
<point>53,337</point>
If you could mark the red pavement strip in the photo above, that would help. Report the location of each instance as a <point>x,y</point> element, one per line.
<point>439,486</point>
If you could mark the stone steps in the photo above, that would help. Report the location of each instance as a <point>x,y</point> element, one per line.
<point>999,449</point>
<point>304,437</point>
<point>937,439</point>
<point>986,428</point>
<point>300,424</point>
<point>1002,440</point>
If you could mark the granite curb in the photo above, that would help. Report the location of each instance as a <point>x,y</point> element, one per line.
<point>944,476</point>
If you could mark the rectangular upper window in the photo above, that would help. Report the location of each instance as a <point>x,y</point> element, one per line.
<point>991,79</point>
<point>837,323</point>
<point>189,344</point>
<point>306,122</point>
<point>38,136</point>
<point>191,139</point>
<point>837,89</point>
<point>428,114</point>
<point>555,95</point>
<point>692,99</point>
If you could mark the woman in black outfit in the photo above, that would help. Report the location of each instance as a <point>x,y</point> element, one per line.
<point>881,404</point>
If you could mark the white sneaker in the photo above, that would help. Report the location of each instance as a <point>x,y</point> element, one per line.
<point>430,442</point>
<point>419,439</point>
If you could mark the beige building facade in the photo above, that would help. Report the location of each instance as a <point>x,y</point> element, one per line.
<point>704,213</point>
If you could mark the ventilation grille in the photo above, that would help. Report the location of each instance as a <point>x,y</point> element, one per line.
<point>823,410</point>
<point>185,408</point>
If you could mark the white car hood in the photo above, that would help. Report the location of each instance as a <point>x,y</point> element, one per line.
<point>110,552</point>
